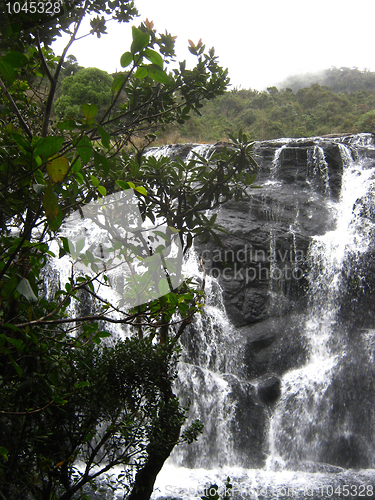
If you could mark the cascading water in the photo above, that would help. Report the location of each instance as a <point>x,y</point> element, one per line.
<point>302,424</point>
<point>326,413</point>
<point>318,167</point>
<point>206,378</point>
<point>275,165</point>
<point>315,427</point>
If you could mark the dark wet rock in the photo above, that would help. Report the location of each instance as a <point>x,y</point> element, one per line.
<point>273,346</point>
<point>350,452</point>
<point>269,389</point>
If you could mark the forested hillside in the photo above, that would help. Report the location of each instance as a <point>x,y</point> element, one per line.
<point>334,101</point>
<point>343,102</point>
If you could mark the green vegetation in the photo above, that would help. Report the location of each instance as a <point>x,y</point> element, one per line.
<point>87,85</point>
<point>344,104</point>
<point>68,396</point>
<point>333,102</point>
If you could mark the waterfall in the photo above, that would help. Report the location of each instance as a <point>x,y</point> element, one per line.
<point>275,166</point>
<point>318,167</point>
<point>301,428</point>
<point>203,150</point>
<point>184,151</point>
<point>314,333</point>
<point>206,379</point>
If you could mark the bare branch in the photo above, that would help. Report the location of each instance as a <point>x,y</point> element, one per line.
<point>16,110</point>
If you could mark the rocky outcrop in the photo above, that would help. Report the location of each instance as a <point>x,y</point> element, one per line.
<point>269,389</point>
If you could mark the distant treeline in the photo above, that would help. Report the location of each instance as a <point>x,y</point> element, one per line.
<point>345,80</point>
<point>334,101</point>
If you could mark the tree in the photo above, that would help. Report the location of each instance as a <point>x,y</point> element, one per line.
<point>70,66</point>
<point>65,395</point>
<point>89,85</point>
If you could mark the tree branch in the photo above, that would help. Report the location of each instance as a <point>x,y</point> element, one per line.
<point>54,78</point>
<point>16,110</point>
<point>42,58</point>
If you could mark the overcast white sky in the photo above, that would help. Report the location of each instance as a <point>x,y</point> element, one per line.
<point>261,42</point>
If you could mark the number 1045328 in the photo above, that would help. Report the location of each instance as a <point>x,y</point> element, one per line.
<point>31,7</point>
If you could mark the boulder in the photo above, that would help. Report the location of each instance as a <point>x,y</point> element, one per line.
<point>269,389</point>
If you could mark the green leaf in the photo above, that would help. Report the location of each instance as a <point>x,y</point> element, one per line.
<point>79,177</point>
<point>89,111</point>
<point>125,185</point>
<point>67,245</point>
<point>105,137</point>
<point>67,125</point>
<point>17,343</point>
<point>84,149</point>
<point>141,73</point>
<point>55,222</point>
<point>59,400</point>
<point>249,179</point>
<point>84,383</point>
<point>183,308</point>
<point>46,147</point>
<point>101,161</point>
<point>50,204</point>
<point>16,366</point>
<point>157,74</point>
<point>89,256</point>
<point>141,190</point>
<point>76,165</point>
<point>21,141</point>
<point>162,235</point>
<point>58,168</point>
<point>140,40</point>
<point>102,190</point>
<point>118,82</point>
<point>173,298</point>
<point>126,59</point>
<point>95,181</point>
<point>39,177</point>
<point>4,453</point>
<point>103,335</point>
<point>80,244</point>
<point>7,71</point>
<point>154,57</point>
<point>163,286</point>
<point>15,59</point>
<point>24,288</point>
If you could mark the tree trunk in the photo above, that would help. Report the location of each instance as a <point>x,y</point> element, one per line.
<point>166,435</point>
